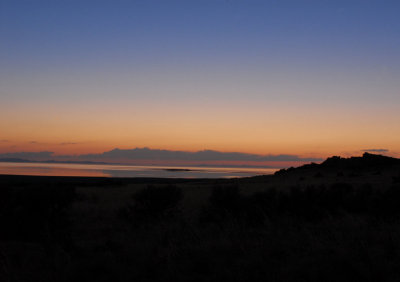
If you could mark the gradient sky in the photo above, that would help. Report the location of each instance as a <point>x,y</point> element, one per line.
<point>309,78</point>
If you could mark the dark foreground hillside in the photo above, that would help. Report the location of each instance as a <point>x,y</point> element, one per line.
<point>337,221</point>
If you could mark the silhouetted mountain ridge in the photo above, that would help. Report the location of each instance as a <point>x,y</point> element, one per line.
<point>18,160</point>
<point>14,160</point>
<point>367,161</point>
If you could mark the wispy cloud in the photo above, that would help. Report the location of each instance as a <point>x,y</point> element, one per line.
<point>376,150</point>
<point>68,143</point>
<point>4,141</point>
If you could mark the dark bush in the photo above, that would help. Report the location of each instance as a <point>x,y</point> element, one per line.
<point>34,213</point>
<point>153,204</point>
<point>388,203</point>
<point>310,203</point>
<point>224,203</point>
<point>227,204</point>
<point>318,175</point>
<point>227,199</point>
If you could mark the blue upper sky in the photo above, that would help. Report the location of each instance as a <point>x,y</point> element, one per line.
<point>152,33</point>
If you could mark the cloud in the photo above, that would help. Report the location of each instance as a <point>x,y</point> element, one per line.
<point>33,142</point>
<point>29,155</point>
<point>376,150</point>
<point>68,143</point>
<point>4,141</point>
<point>205,155</point>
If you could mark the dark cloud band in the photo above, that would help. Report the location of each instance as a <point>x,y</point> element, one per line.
<point>376,150</point>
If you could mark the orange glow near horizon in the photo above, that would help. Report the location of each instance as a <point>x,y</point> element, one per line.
<point>306,131</point>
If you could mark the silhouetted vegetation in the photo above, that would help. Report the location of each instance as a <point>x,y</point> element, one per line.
<point>153,203</point>
<point>328,228</point>
<point>310,203</point>
<point>34,213</point>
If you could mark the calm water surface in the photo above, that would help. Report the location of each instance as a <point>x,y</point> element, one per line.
<point>101,170</point>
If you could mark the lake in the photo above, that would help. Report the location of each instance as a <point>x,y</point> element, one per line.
<point>111,170</point>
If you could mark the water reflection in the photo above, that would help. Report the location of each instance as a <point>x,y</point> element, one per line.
<point>91,170</point>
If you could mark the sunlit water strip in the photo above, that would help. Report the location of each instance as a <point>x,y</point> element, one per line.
<point>105,170</point>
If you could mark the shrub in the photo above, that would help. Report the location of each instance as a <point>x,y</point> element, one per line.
<point>227,204</point>
<point>153,204</point>
<point>223,203</point>
<point>35,212</point>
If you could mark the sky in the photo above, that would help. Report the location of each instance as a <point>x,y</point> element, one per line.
<point>310,79</point>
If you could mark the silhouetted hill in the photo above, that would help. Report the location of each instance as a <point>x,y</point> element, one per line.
<point>368,162</point>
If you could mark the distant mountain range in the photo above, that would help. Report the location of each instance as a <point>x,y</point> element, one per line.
<point>14,160</point>
<point>17,160</point>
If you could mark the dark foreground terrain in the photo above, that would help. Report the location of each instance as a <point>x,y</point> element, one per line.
<point>337,221</point>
